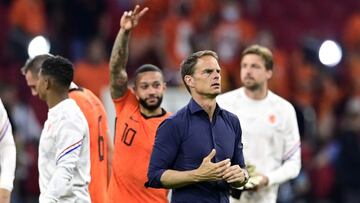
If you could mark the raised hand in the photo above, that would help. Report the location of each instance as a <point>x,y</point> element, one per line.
<point>209,171</point>
<point>131,18</point>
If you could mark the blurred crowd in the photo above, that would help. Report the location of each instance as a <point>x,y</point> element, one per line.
<point>327,100</point>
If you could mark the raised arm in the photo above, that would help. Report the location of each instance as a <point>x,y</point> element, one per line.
<point>120,52</point>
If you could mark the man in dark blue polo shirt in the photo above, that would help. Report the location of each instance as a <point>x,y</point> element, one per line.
<point>198,150</point>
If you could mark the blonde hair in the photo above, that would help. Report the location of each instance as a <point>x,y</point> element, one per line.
<point>261,51</point>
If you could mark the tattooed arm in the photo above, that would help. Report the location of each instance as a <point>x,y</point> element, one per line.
<point>120,52</point>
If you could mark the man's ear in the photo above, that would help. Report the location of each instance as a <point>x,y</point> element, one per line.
<point>269,74</point>
<point>48,83</point>
<point>189,80</point>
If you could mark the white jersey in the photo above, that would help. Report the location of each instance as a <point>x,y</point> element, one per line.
<point>64,155</point>
<point>7,151</point>
<point>271,139</point>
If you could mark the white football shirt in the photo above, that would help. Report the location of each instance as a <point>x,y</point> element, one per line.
<point>270,136</point>
<point>7,151</point>
<point>64,155</point>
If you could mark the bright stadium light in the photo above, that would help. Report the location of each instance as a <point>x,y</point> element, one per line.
<point>38,45</point>
<point>330,53</point>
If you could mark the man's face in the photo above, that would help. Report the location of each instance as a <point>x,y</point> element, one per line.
<point>206,79</point>
<point>149,89</point>
<point>31,81</point>
<point>254,75</point>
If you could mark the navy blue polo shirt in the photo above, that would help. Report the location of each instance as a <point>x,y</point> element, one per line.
<point>184,139</point>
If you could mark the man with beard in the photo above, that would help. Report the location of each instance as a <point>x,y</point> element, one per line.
<point>198,150</point>
<point>138,114</point>
<point>270,130</point>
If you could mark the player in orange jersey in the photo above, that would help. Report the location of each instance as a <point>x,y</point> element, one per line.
<point>101,146</point>
<point>138,114</point>
<point>100,140</point>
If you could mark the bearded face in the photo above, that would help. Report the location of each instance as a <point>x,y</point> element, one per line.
<point>254,75</point>
<point>151,103</point>
<point>149,90</point>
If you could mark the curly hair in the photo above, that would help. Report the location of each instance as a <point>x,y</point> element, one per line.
<point>60,69</point>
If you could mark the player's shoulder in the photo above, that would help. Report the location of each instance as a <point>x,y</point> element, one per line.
<point>66,112</point>
<point>73,109</point>
<point>127,102</point>
<point>230,100</point>
<point>278,100</point>
<point>68,115</point>
<point>90,94</point>
<point>94,100</point>
<point>176,118</point>
<point>86,99</point>
<point>229,95</point>
<point>78,95</point>
<point>128,95</point>
<point>181,113</point>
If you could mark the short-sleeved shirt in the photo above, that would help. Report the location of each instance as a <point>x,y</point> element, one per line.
<point>184,139</point>
<point>95,115</point>
<point>134,139</point>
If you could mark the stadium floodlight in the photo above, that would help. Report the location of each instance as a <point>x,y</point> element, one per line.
<point>330,53</point>
<point>38,45</point>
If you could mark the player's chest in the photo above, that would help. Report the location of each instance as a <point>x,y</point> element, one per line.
<point>261,122</point>
<point>136,131</point>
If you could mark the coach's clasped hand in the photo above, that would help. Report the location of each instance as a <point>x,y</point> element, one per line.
<point>223,170</point>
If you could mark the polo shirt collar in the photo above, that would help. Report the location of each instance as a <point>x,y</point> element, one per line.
<point>195,107</point>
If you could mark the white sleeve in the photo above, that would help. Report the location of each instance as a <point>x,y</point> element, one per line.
<point>68,147</point>
<point>291,159</point>
<point>7,151</point>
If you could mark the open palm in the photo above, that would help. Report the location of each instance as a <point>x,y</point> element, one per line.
<point>131,18</point>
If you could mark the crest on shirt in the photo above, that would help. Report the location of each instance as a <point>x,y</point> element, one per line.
<point>272,119</point>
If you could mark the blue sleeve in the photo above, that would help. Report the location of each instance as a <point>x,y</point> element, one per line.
<point>164,152</point>
<point>238,157</point>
